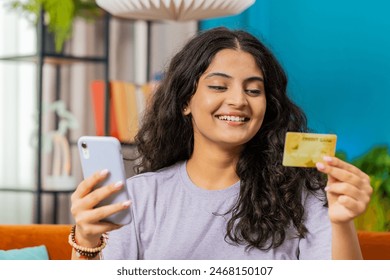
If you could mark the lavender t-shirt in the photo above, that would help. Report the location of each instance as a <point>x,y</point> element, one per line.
<point>175,219</point>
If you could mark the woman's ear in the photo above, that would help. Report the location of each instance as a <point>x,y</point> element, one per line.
<point>186,110</point>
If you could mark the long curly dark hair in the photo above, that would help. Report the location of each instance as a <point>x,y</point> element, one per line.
<point>270,199</point>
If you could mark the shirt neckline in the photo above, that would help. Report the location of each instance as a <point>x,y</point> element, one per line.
<point>206,194</point>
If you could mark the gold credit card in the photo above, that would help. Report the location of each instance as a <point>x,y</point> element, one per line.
<point>305,149</point>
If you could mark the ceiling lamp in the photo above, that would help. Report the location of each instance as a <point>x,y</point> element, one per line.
<point>179,10</point>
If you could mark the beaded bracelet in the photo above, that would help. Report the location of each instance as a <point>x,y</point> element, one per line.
<point>87,252</point>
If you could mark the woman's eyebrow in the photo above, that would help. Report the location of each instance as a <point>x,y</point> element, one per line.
<point>223,75</point>
<point>255,78</point>
<point>218,74</point>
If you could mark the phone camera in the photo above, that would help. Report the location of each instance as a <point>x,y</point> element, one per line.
<point>84,145</point>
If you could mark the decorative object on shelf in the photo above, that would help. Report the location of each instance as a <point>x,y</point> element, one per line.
<point>376,163</point>
<point>59,15</point>
<point>56,142</point>
<point>66,122</point>
<point>60,178</point>
<point>180,10</point>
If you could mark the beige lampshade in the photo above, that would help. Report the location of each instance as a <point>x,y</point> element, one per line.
<point>179,10</point>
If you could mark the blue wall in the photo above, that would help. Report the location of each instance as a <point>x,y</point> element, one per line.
<point>337,57</point>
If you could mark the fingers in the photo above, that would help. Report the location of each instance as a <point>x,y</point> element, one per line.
<point>89,224</point>
<point>349,196</point>
<point>341,171</point>
<point>348,189</point>
<point>95,215</point>
<point>84,199</point>
<point>93,198</point>
<point>90,200</point>
<point>356,207</point>
<point>345,189</point>
<point>87,185</point>
<point>338,163</point>
<point>86,216</point>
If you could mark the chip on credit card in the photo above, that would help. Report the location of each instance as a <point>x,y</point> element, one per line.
<point>306,149</point>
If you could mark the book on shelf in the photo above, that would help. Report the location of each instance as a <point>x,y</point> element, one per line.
<point>127,101</point>
<point>121,103</point>
<point>147,90</point>
<point>98,104</point>
<point>132,111</point>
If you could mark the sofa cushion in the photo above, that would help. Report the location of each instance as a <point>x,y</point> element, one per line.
<point>28,253</point>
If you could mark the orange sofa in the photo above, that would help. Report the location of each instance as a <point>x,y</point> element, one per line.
<point>54,237</point>
<point>374,245</point>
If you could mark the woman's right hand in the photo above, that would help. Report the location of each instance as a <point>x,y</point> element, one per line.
<point>89,227</point>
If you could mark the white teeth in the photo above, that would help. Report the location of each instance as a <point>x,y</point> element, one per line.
<point>231,118</point>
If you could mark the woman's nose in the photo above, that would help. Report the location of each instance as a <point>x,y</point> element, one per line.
<point>236,97</point>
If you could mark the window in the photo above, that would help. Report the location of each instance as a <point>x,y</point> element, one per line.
<point>17,106</point>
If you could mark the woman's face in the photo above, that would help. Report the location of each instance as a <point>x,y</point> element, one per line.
<point>229,103</point>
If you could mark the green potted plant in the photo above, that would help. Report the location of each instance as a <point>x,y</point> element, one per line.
<point>376,163</point>
<point>58,15</point>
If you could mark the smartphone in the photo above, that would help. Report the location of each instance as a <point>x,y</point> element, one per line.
<point>104,152</point>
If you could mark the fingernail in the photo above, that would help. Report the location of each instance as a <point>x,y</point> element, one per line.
<point>104,172</point>
<point>327,158</point>
<point>320,165</point>
<point>118,185</point>
<point>126,203</point>
<point>326,188</point>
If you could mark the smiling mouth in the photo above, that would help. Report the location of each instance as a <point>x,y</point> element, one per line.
<point>232,118</point>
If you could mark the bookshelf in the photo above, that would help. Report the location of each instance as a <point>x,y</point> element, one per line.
<point>40,58</point>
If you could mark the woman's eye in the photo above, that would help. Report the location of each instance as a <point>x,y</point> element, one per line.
<point>217,88</point>
<point>253,91</point>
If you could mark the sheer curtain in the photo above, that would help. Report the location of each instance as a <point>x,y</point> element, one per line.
<point>17,105</point>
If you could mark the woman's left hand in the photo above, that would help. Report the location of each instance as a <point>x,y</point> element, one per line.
<point>348,189</point>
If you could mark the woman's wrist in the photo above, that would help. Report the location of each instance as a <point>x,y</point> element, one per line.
<point>86,249</point>
<point>86,240</point>
<point>344,226</point>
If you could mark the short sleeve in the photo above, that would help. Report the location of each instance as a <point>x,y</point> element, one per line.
<point>122,244</point>
<point>317,245</point>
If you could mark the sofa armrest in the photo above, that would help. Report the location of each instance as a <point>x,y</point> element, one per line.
<point>54,237</point>
<point>375,245</point>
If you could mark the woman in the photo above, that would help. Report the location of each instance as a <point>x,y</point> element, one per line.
<point>211,182</point>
